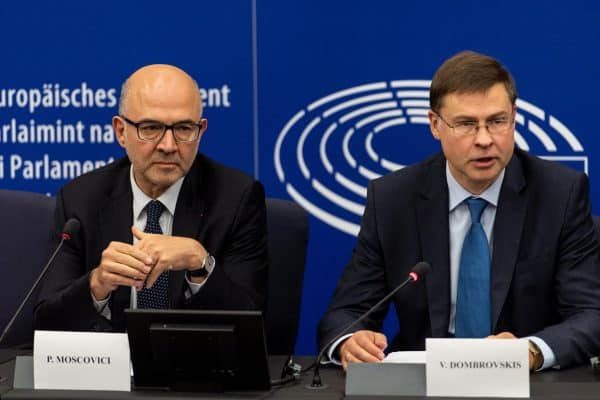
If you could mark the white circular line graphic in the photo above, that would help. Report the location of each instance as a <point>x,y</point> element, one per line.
<point>327,152</point>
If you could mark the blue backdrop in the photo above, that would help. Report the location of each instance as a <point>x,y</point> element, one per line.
<point>312,97</point>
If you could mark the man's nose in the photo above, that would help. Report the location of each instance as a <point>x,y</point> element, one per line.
<point>167,142</point>
<point>483,137</point>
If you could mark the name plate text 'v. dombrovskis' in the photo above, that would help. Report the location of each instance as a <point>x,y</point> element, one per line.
<point>477,367</point>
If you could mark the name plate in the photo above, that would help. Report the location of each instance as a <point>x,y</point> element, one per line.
<point>81,361</point>
<point>477,367</point>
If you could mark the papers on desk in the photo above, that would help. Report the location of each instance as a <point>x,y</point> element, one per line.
<point>406,357</point>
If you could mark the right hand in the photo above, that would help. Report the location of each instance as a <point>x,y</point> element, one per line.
<point>121,264</point>
<point>363,346</point>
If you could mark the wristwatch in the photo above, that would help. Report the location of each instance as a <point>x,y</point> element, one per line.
<point>536,353</point>
<point>208,263</point>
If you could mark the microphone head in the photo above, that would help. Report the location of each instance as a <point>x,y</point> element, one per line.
<point>420,270</point>
<point>71,228</point>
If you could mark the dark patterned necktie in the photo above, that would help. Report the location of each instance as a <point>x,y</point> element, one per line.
<point>158,295</point>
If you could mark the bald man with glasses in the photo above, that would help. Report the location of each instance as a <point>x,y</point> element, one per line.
<point>164,227</point>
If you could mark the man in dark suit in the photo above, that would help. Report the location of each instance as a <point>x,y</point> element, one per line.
<point>164,227</point>
<point>509,237</point>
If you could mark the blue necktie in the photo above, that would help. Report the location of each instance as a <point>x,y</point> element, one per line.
<point>473,316</point>
<point>158,295</point>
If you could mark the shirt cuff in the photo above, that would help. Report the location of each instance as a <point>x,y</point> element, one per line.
<point>331,351</point>
<point>101,306</point>
<point>549,357</point>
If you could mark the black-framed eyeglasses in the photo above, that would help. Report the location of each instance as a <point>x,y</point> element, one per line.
<point>495,126</point>
<point>153,131</point>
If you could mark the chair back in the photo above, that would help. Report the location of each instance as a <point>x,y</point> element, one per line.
<point>27,219</point>
<point>287,225</point>
<point>596,220</point>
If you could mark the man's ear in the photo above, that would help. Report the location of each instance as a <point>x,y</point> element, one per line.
<point>203,128</point>
<point>434,123</point>
<point>119,128</point>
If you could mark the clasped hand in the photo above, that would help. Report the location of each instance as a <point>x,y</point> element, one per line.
<point>124,264</point>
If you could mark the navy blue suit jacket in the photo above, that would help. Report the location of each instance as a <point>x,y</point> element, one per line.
<point>545,271</point>
<point>222,208</point>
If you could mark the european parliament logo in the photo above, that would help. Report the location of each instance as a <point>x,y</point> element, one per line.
<point>328,151</point>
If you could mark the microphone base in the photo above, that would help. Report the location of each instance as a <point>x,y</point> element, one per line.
<point>322,386</point>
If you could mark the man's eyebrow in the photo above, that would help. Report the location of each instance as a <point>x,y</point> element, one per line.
<point>472,118</point>
<point>462,117</point>
<point>150,120</point>
<point>499,114</point>
<point>183,121</point>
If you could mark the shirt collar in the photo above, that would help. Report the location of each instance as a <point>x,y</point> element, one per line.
<point>140,199</point>
<point>458,194</point>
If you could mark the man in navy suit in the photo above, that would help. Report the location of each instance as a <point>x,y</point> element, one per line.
<point>509,237</point>
<point>164,227</point>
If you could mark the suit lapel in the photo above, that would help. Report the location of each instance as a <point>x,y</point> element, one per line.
<point>115,225</point>
<point>432,214</point>
<point>188,216</point>
<point>508,227</point>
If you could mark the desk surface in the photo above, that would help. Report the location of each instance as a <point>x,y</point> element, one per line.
<point>576,384</point>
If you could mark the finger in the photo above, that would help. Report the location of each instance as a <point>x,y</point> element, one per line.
<point>129,261</point>
<point>344,362</point>
<point>119,280</point>
<point>380,341</point>
<point>350,358</point>
<point>502,335</point>
<point>99,287</point>
<point>136,253</point>
<point>138,233</point>
<point>361,347</point>
<point>156,271</point>
<point>127,271</point>
<point>357,353</point>
<point>359,356</point>
<point>366,342</point>
<point>117,247</point>
<point>126,248</point>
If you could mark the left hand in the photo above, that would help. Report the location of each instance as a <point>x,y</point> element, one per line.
<point>168,252</point>
<point>508,335</point>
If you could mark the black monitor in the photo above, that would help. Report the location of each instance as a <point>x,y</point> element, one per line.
<point>198,350</point>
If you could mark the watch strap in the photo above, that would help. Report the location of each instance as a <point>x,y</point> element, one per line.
<point>207,264</point>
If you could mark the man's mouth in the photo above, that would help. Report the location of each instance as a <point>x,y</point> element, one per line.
<point>165,163</point>
<point>484,162</point>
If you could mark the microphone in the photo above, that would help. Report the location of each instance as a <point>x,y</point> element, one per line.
<point>70,228</point>
<point>417,272</point>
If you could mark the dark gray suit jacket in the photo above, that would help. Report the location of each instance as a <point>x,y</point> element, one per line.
<point>545,271</point>
<point>221,207</point>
